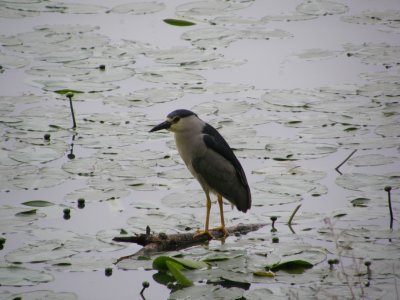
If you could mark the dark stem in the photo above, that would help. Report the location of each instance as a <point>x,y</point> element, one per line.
<point>72,111</point>
<point>343,162</point>
<point>293,214</point>
<point>388,189</point>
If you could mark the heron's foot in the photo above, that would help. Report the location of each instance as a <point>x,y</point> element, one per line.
<point>224,231</point>
<point>203,232</point>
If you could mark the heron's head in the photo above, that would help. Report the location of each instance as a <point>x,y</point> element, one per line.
<point>179,120</point>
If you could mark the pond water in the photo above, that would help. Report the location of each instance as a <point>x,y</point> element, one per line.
<point>306,92</point>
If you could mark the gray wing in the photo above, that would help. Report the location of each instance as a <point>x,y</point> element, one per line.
<point>221,171</point>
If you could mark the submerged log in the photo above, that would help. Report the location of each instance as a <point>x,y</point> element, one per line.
<point>169,242</point>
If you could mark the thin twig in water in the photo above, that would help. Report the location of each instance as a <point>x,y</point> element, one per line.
<point>343,162</point>
<point>69,96</point>
<point>292,216</point>
<point>388,189</point>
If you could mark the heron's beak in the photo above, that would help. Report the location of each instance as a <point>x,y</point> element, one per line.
<point>163,125</point>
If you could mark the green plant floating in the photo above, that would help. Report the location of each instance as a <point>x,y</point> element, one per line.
<point>264,274</point>
<point>38,203</point>
<point>292,266</point>
<point>176,22</point>
<point>175,265</point>
<point>26,212</point>
<point>159,263</point>
<point>66,91</point>
<point>175,270</point>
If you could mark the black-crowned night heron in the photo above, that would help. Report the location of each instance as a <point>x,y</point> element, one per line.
<point>210,160</point>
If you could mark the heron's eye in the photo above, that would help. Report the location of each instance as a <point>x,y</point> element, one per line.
<point>175,120</point>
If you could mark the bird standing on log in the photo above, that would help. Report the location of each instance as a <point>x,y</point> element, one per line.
<point>210,160</point>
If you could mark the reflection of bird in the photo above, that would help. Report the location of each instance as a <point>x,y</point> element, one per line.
<point>210,160</point>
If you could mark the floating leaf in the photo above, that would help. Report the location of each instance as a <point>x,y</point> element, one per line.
<point>38,154</point>
<point>264,273</point>
<point>176,22</point>
<point>139,8</point>
<point>371,160</point>
<point>82,263</point>
<point>360,202</point>
<point>66,91</point>
<point>44,294</point>
<point>13,275</point>
<point>321,8</point>
<point>38,203</point>
<point>39,251</point>
<point>207,292</point>
<point>292,266</point>
<point>26,212</point>
<point>159,263</point>
<point>175,270</point>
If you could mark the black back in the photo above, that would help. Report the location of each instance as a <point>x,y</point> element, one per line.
<point>214,140</point>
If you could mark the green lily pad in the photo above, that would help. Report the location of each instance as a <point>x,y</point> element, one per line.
<point>26,213</point>
<point>45,294</point>
<point>66,91</point>
<point>160,263</point>
<point>367,182</point>
<point>360,202</point>
<point>264,274</point>
<point>169,75</point>
<point>293,266</point>
<point>40,178</point>
<point>321,8</point>
<point>39,251</point>
<point>14,275</point>
<point>82,263</point>
<point>38,203</point>
<point>87,87</point>
<point>176,22</point>
<point>38,154</point>
<point>175,265</point>
<point>371,160</point>
<point>138,8</point>
<point>206,292</point>
<point>175,270</point>
<point>136,263</point>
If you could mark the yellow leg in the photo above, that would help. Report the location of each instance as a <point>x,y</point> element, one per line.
<point>206,228</point>
<point>208,204</point>
<point>221,210</point>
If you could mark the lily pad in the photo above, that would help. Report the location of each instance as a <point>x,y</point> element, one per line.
<point>39,251</point>
<point>38,203</point>
<point>14,275</point>
<point>292,266</point>
<point>193,199</point>
<point>206,292</point>
<point>169,75</point>
<point>175,265</point>
<point>36,154</point>
<point>40,178</point>
<point>367,182</point>
<point>82,263</point>
<point>371,160</point>
<point>321,8</point>
<point>202,9</point>
<point>95,195</point>
<point>87,87</point>
<point>176,22</point>
<point>160,262</point>
<point>45,294</point>
<point>12,61</point>
<point>149,96</point>
<point>138,8</point>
